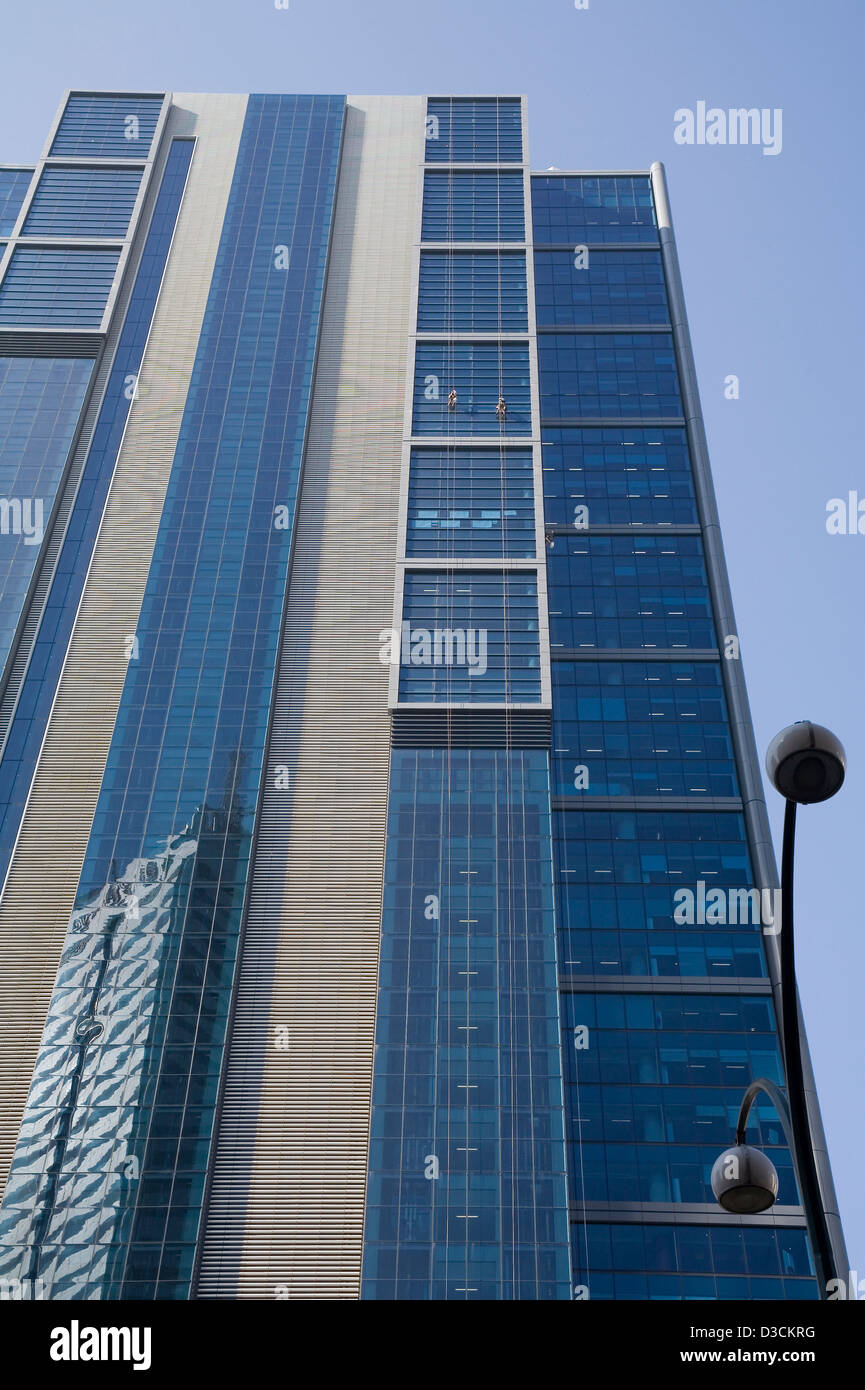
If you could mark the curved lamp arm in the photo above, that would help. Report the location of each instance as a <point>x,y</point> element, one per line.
<point>778,1099</point>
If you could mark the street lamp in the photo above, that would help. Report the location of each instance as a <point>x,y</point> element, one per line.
<point>806,764</point>
<point>744,1179</point>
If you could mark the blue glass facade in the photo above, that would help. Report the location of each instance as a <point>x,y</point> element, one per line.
<point>470,636</point>
<point>654,1094</point>
<point>76,202</point>
<point>57,287</point>
<point>614,287</point>
<point>43,672</point>
<point>137,1023</point>
<point>587,209</point>
<point>479,373</point>
<point>464,205</point>
<point>14,184</point>
<point>681,1262</point>
<point>653,1080</point>
<point>471,502</point>
<point>474,130</point>
<point>103,126</point>
<point>635,729</point>
<point>622,591</point>
<point>624,375</point>
<point>466,1192</point>
<point>40,402</point>
<point>617,873</point>
<point>620,476</point>
<point>472,291</point>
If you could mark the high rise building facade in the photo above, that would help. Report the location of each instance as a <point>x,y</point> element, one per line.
<point>369,928</point>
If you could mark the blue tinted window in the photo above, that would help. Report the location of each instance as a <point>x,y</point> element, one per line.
<point>675,1013</point>
<point>615,287</point>
<point>40,402</point>
<point>666,1069</point>
<point>466,206</point>
<point>467,1066</point>
<point>630,375</point>
<point>628,939</point>
<point>673,1169</point>
<point>470,637</point>
<point>471,502</point>
<point>467,291</point>
<point>621,476</point>
<point>628,591</point>
<point>617,875</point>
<point>83,202</point>
<point>587,208</point>
<point>57,287</point>
<point>479,373</point>
<point>635,729</point>
<point>462,130</point>
<point>107,127</point>
<point>693,1262</point>
<point>653,847</point>
<point>14,184</point>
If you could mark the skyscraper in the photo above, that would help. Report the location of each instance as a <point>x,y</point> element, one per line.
<point>370,925</point>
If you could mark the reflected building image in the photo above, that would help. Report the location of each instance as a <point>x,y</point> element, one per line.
<point>369,688</point>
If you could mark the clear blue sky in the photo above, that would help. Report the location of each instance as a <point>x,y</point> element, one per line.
<point>771,252</point>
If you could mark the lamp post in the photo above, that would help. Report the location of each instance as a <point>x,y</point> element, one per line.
<point>806,764</point>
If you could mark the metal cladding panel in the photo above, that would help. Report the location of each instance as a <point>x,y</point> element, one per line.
<point>286,1205</point>
<point>39,891</point>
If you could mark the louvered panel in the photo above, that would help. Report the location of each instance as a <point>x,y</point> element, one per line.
<point>40,888</point>
<point>471,729</point>
<point>285,1214</point>
<point>77,202</point>
<point>97,125</point>
<point>62,343</point>
<point>60,287</point>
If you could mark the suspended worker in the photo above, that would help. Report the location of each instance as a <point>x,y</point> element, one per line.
<point>502,408</point>
<point>452,400</point>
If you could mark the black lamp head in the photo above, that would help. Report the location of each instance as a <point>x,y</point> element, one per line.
<point>744,1180</point>
<point>806,763</point>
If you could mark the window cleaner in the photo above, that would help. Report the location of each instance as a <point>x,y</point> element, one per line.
<point>452,400</point>
<point>502,408</point>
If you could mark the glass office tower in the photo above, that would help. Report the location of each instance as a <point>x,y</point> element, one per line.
<point>353,495</point>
